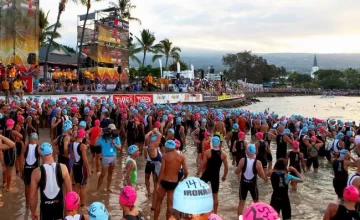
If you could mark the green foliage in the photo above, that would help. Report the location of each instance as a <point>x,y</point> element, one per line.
<point>142,72</point>
<point>330,79</point>
<point>298,79</point>
<point>46,30</point>
<point>254,68</point>
<point>166,49</point>
<point>146,44</point>
<point>69,49</point>
<point>125,7</point>
<point>173,66</point>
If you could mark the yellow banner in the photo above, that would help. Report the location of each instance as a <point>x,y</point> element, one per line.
<point>109,75</point>
<point>111,34</point>
<point>106,54</point>
<point>19,27</point>
<point>223,97</point>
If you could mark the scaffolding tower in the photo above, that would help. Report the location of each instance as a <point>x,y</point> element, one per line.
<point>105,45</point>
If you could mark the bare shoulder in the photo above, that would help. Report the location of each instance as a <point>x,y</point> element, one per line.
<point>64,169</point>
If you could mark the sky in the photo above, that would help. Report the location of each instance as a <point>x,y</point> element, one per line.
<point>262,26</point>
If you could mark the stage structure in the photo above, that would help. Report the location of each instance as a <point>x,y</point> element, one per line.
<point>105,45</point>
<point>19,34</point>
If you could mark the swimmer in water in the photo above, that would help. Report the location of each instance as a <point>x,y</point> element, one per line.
<point>296,160</point>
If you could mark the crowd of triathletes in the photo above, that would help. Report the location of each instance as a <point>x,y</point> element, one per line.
<point>159,134</point>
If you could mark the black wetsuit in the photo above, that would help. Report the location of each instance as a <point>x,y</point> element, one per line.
<point>280,198</point>
<point>31,161</point>
<point>281,149</point>
<point>131,132</point>
<point>303,147</point>
<point>234,137</point>
<point>261,154</point>
<point>340,177</point>
<point>140,216</point>
<point>295,161</point>
<point>247,185</point>
<point>9,154</point>
<point>240,151</point>
<point>212,171</point>
<point>62,158</point>
<point>140,138</point>
<point>51,208</point>
<point>177,135</point>
<point>347,141</point>
<point>344,214</point>
<point>79,169</point>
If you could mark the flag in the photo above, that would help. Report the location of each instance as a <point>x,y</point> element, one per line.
<point>161,72</point>
<point>178,67</point>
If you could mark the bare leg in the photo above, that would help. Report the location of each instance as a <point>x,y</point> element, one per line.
<point>101,178</point>
<point>153,204</point>
<point>241,207</point>
<point>82,195</point>
<point>170,195</point>
<point>147,184</point>
<point>161,194</point>
<point>97,158</point>
<point>109,177</point>
<point>216,202</point>
<point>8,178</point>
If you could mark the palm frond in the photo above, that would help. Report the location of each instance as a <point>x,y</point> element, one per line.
<point>155,57</point>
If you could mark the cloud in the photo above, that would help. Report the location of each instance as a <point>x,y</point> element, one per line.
<point>234,25</point>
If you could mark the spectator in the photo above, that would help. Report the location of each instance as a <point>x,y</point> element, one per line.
<point>18,87</point>
<point>6,89</point>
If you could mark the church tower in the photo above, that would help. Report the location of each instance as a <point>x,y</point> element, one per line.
<point>314,67</point>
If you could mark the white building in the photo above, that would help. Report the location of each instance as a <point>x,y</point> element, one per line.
<point>314,67</point>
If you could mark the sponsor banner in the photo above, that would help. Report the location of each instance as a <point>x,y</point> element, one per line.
<point>160,98</point>
<point>27,83</point>
<point>112,34</point>
<point>175,97</point>
<point>223,97</point>
<point>145,98</point>
<point>118,98</point>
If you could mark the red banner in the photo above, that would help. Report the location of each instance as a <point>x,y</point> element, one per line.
<point>144,98</point>
<point>28,83</point>
<point>123,98</point>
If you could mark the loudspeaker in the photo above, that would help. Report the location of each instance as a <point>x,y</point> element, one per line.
<point>31,58</point>
<point>119,69</point>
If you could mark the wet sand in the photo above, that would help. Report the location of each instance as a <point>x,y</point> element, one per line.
<point>309,202</point>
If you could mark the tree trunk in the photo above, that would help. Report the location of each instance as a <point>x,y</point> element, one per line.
<point>166,62</point>
<point>51,40</point>
<point>143,62</point>
<point>82,37</point>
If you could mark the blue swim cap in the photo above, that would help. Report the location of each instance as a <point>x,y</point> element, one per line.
<point>251,149</point>
<point>170,144</point>
<point>305,129</point>
<point>282,123</point>
<point>153,138</point>
<point>64,111</point>
<point>86,109</point>
<point>203,121</point>
<point>178,120</point>
<point>132,149</point>
<point>46,149</point>
<point>287,131</point>
<point>332,126</point>
<point>164,117</point>
<point>193,196</point>
<point>1,116</point>
<point>34,136</point>
<point>215,141</point>
<point>171,130</point>
<point>183,113</point>
<point>343,153</point>
<point>339,135</point>
<point>236,126</point>
<point>82,124</point>
<point>319,125</point>
<point>97,211</point>
<point>349,133</point>
<point>67,125</point>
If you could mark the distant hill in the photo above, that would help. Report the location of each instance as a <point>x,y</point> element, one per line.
<point>300,62</point>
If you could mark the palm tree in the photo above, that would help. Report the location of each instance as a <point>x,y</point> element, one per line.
<point>86,3</point>
<point>166,49</point>
<point>132,47</point>
<point>62,4</point>
<point>125,8</point>
<point>146,43</point>
<point>46,30</point>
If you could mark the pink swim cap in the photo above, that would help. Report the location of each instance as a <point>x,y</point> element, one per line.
<point>260,211</point>
<point>241,134</point>
<point>124,116</point>
<point>351,193</point>
<point>127,196</point>
<point>20,117</point>
<point>313,138</point>
<point>214,217</point>
<point>295,144</point>
<point>157,124</point>
<point>97,122</point>
<point>170,117</point>
<point>10,122</point>
<point>177,143</point>
<point>259,135</point>
<point>72,201</point>
<point>81,133</point>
